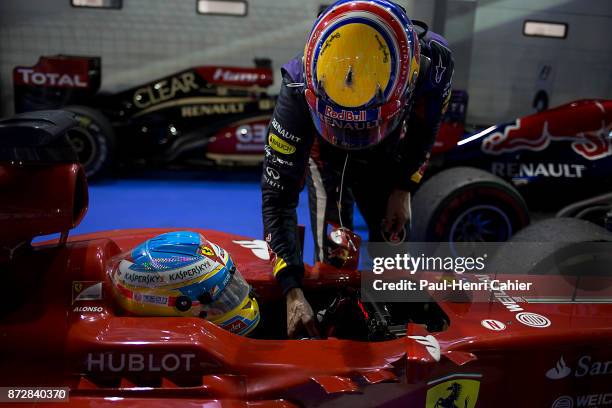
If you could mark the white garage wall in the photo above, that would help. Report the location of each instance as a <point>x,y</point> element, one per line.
<point>147,38</point>
<point>152,38</point>
<point>505,64</point>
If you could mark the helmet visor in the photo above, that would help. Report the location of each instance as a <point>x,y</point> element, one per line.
<point>353,129</point>
<point>230,298</point>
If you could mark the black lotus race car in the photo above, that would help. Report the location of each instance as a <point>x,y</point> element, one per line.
<point>206,114</point>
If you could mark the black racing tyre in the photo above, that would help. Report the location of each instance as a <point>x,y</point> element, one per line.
<point>465,204</point>
<point>93,140</point>
<point>556,246</point>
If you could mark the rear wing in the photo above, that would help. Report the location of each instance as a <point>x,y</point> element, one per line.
<point>56,81</point>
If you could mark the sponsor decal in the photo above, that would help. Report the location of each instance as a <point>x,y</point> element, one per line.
<point>228,75</point>
<point>272,173</point>
<point>343,114</point>
<point>86,290</point>
<point>236,325</point>
<point>152,299</point>
<point>139,362</point>
<point>163,90</point>
<point>282,132</point>
<point>563,401</point>
<point>149,279</point>
<point>143,278</point>
<point>431,345</point>
<point>456,393</point>
<point>511,303</point>
<point>592,145</point>
<point>440,69</point>
<point>560,370</point>
<point>212,109</point>
<point>274,159</point>
<point>493,324</point>
<point>585,367</point>
<point>188,273</point>
<point>88,309</point>
<point>257,246</point>
<point>27,76</point>
<point>533,320</point>
<point>588,400</point>
<point>274,184</point>
<point>341,124</point>
<point>553,170</point>
<point>280,145</point>
<point>207,251</point>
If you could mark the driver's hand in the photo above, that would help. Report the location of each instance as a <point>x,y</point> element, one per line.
<point>398,212</point>
<point>299,314</point>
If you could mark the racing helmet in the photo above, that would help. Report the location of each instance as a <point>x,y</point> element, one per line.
<point>361,63</point>
<point>183,274</point>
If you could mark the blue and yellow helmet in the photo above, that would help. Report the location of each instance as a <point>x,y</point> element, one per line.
<point>361,63</point>
<point>183,274</point>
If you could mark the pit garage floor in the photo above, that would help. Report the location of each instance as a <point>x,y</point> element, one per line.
<point>219,199</point>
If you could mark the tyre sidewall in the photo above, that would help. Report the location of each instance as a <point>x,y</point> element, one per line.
<point>471,196</point>
<point>97,137</point>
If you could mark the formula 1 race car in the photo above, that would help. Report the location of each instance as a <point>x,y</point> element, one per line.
<point>205,114</point>
<point>483,186</point>
<point>61,328</point>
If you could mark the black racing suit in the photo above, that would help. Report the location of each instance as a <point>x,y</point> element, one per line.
<point>295,153</point>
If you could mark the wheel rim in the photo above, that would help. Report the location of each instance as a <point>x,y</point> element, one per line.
<point>481,223</point>
<point>84,146</point>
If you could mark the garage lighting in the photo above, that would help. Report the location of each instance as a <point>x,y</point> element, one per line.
<point>222,7</point>
<point>544,29</point>
<point>108,4</point>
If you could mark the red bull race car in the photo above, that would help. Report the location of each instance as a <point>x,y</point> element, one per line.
<point>205,114</point>
<point>485,186</point>
<point>64,336</point>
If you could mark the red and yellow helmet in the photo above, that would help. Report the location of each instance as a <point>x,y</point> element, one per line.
<point>361,63</point>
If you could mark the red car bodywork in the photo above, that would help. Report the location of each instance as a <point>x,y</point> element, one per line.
<point>50,337</point>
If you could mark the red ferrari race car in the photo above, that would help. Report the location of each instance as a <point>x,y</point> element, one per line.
<point>62,328</point>
<point>205,114</point>
<point>485,186</point>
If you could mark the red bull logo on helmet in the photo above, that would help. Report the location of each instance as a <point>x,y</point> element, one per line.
<point>348,119</point>
<point>347,115</point>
